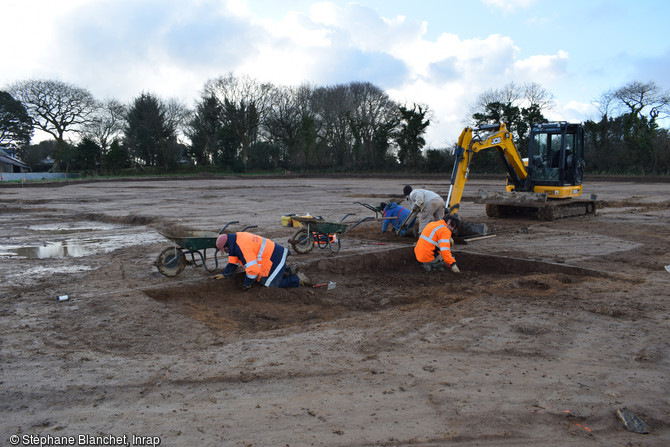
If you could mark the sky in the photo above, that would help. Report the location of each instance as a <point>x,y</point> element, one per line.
<point>437,53</point>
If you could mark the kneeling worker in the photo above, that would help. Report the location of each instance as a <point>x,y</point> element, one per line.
<point>395,215</point>
<point>436,238</point>
<point>262,260</point>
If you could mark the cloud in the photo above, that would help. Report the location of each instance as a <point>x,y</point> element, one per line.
<point>24,27</point>
<point>363,28</point>
<point>547,68</point>
<point>450,73</point>
<point>124,47</point>
<point>574,112</point>
<point>120,48</point>
<point>331,44</point>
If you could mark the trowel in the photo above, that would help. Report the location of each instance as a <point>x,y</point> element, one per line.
<point>329,284</point>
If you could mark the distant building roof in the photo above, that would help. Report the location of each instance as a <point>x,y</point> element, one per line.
<point>6,158</point>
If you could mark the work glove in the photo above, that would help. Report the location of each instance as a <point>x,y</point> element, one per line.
<point>416,208</point>
<point>454,268</point>
<point>248,282</point>
<point>229,270</point>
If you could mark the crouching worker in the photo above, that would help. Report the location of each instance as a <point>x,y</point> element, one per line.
<point>428,204</point>
<point>435,240</point>
<point>395,215</point>
<point>262,260</point>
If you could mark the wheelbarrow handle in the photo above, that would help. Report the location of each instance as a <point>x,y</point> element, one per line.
<point>365,219</point>
<point>226,225</point>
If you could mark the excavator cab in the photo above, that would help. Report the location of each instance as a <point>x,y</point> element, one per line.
<point>556,159</point>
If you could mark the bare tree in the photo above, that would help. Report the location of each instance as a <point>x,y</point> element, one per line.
<point>106,124</point>
<point>604,104</point>
<point>639,98</point>
<point>332,107</point>
<point>177,116</point>
<point>373,118</point>
<point>285,122</point>
<point>509,94</point>
<point>529,96</point>
<point>56,108</point>
<point>245,105</point>
<point>536,95</point>
<point>626,137</point>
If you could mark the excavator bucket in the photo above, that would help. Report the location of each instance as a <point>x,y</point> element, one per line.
<point>469,231</point>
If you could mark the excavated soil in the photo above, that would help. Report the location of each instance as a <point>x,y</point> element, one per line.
<point>549,330</point>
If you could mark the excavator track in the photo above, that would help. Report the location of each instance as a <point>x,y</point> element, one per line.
<point>548,211</point>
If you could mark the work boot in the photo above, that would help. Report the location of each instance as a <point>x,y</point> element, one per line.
<point>304,280</point>
<point>436,265</point>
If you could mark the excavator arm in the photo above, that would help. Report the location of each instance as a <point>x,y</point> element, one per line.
<point>471,141</point>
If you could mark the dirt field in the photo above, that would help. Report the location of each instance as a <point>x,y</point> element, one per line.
<point>550,329</point>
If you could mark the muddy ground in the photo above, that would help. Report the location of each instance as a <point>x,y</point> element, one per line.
<point>548,331</point>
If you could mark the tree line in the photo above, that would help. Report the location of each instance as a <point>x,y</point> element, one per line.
<point>241,125</point>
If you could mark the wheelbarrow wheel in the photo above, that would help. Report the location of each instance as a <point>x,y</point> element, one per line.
<point>335,244</point>
<point>171,261</point>
<point>302,242</point>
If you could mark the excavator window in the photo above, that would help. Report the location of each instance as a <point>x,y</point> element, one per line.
<point>541,147</point>
<point>557,154</point>
<point>544,151</point>
<point>555,150</point>
<point>556,159</point>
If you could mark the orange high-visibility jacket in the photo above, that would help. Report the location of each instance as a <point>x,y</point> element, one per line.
<point>436,235</point>
<point>256,252</point>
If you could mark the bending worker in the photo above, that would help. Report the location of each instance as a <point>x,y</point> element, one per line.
<point>429,205</point>
<point>395,215</point>
<point>436,239</point>
<point>262,260</point>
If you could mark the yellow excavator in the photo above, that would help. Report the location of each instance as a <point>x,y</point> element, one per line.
<point>546,184</point>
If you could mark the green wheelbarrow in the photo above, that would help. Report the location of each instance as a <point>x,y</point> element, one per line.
<point>324,234</point>
<point>190,247</point>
